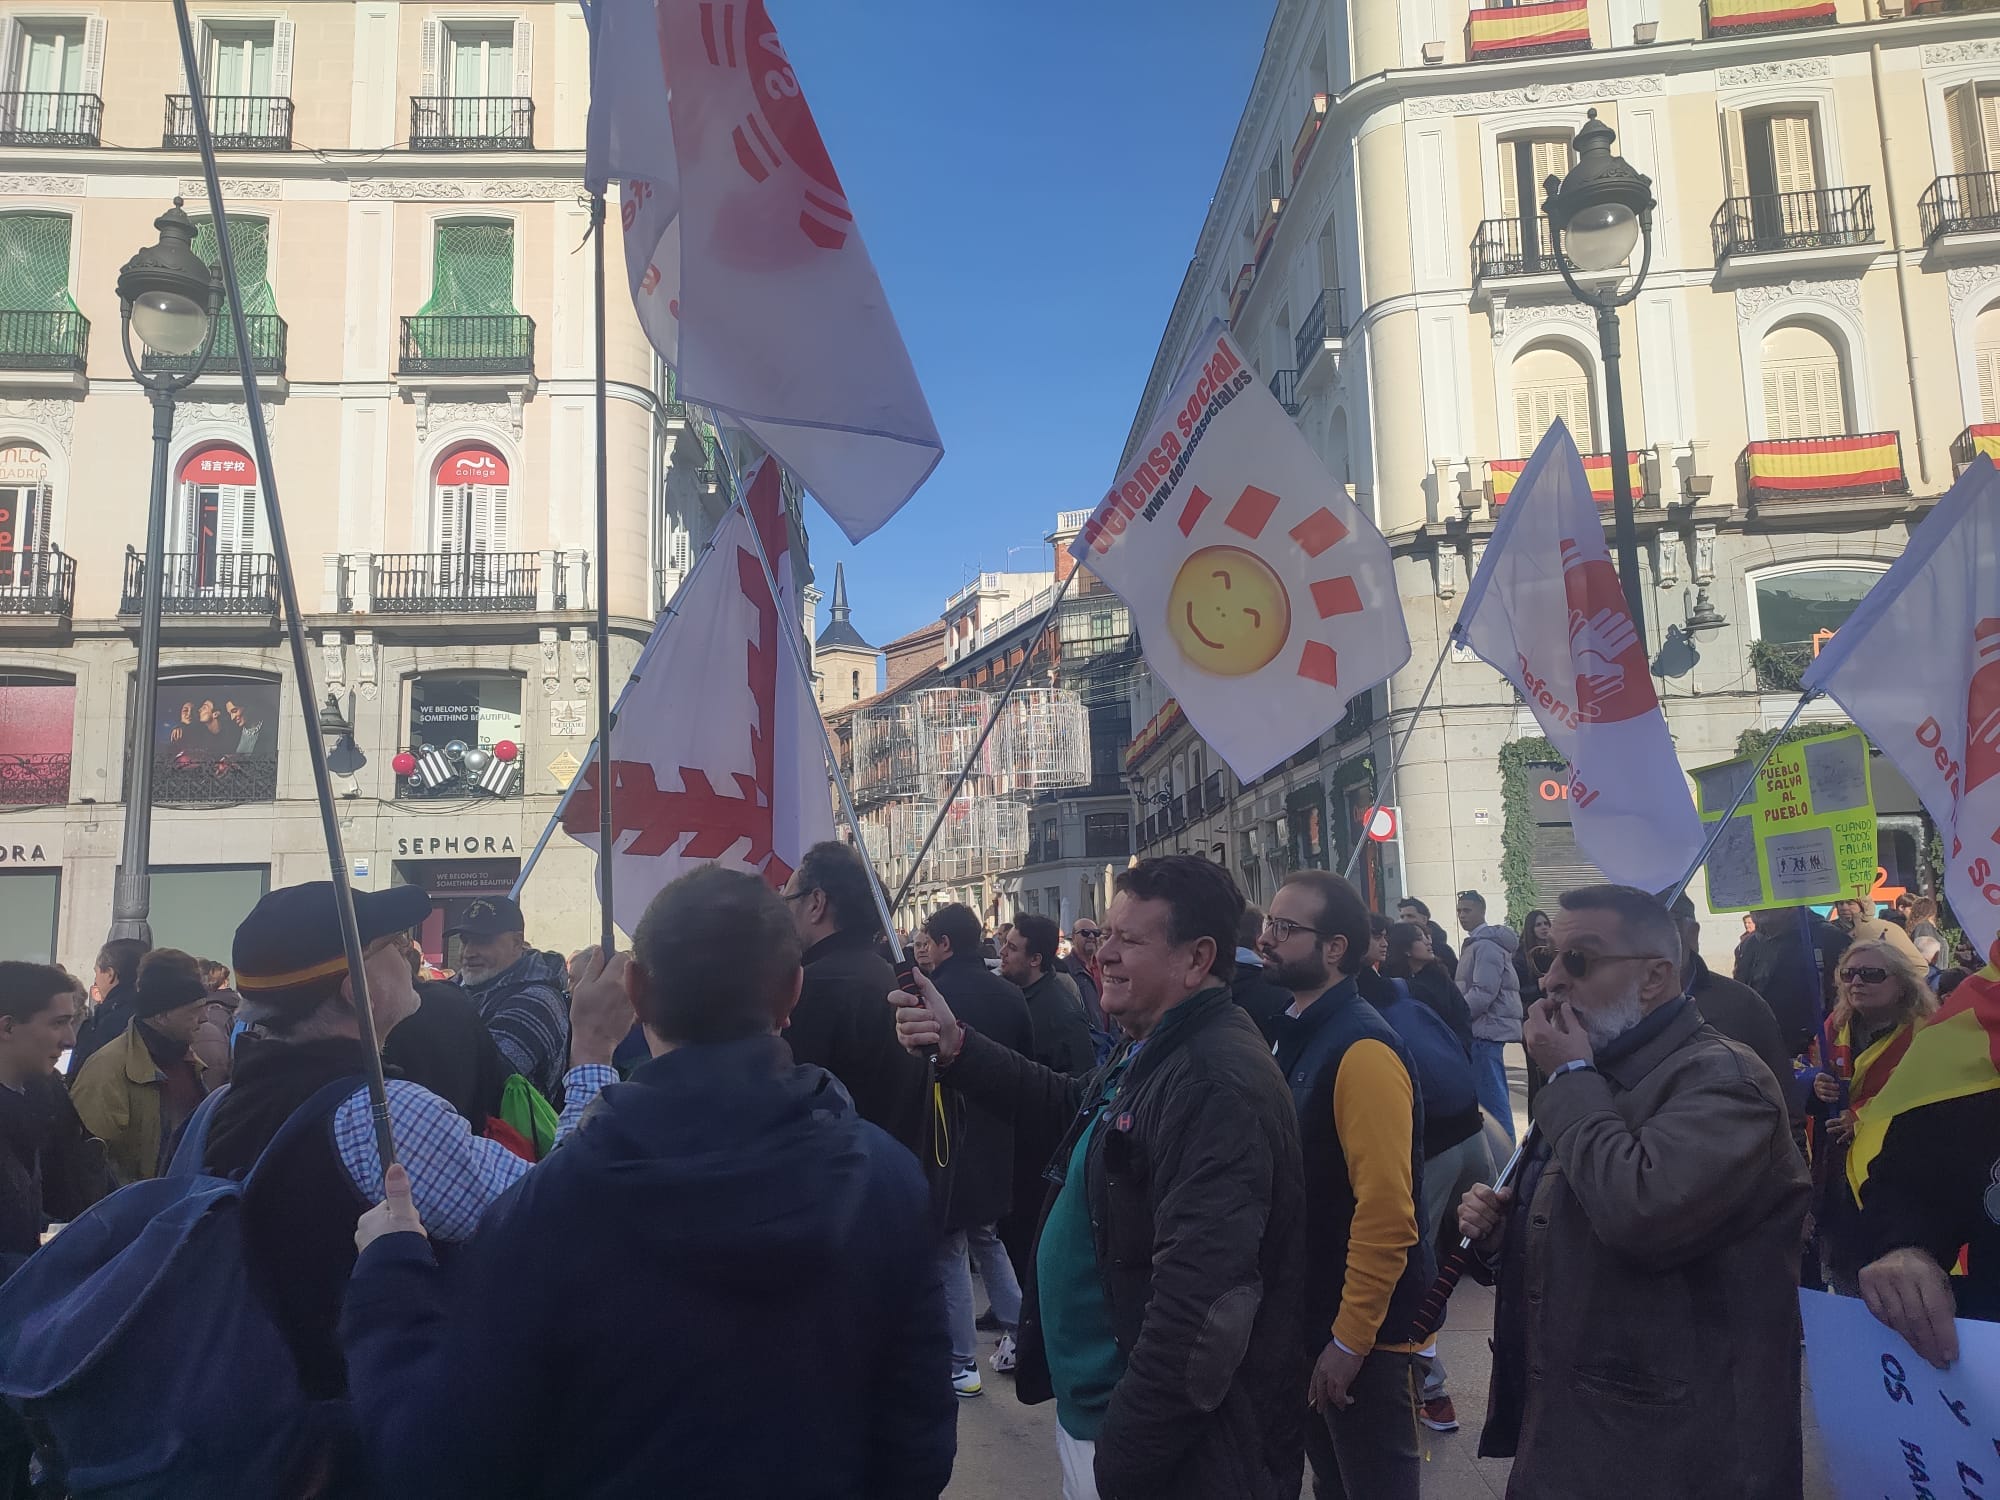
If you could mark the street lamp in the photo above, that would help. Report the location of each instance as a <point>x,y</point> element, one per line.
<point>1596,214</point>
<point>170,299</point>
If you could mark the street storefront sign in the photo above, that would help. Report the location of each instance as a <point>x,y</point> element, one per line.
<point>1891,1423</point>
<point>1805,834</point>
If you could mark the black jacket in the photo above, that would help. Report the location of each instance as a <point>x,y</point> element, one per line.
<point>844,1023</point>
<point>447,1048</point>
<point>1932,1186</point>
<point>51,1168</point>
<point>1792,968</point>
<point>106,1024</point>
<point>1061,1034</point>
<point>1263,1001</point>
<point>1433,985</point>
<point>610,1332</point>
<point>1197,1198</point>
<point>982,1142</point>
<point>1086,990</point>
<point>1739,1013</point>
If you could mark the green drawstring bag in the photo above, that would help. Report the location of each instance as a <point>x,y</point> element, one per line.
<point>529,1115</point>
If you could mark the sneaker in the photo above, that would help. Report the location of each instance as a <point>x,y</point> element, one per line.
<point>1003,1355</point>
<point>1440,1415</point>
<point>966,1382</point>
<point>987,1323</point>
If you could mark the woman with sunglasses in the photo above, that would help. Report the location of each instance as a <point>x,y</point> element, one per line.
<point>1413,960</point>
<point>1883,999</point>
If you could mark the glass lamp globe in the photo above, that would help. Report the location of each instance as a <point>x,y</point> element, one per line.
<point>1601,236</point>
<point>169,323</point>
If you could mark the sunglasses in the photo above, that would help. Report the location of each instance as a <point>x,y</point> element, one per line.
<point>1870,975</point>
<point>1578,962</point>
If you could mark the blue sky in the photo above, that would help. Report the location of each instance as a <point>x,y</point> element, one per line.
<point>1031,177</point>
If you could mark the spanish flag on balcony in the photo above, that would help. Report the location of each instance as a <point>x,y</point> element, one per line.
<point>1517,28</point>
<point>1808,466</point>
<point>1765,15</point>
<point>1981,437</point>
<point>1596,469</point>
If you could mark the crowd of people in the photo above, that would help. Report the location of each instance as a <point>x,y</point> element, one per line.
<point>1205,1162</point>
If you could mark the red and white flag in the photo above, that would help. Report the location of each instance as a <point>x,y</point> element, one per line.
<point>1917,665</point>
<point>746,264</point>
<point>1266,599</point>
<point>715,756</point>
<point>1547,610</point>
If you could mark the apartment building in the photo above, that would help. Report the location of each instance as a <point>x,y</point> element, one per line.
<point>1814,353</point>
<point>404,190</point>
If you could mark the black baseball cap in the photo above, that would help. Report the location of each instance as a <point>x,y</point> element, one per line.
<point>489,916</point>
<point>292,936</point>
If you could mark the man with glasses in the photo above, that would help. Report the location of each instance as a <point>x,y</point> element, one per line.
<point>1081,965</point>
<point>1646,1336</point>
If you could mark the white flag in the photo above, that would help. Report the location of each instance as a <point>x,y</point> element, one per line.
<point>1917,665</point>
<point>1266,599</point>
<point>747,268</point>
<point>1547,610</point>
<point>714,755</point>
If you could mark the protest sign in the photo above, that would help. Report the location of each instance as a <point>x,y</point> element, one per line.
<point>1805,833</point>
<point>1892,1424</point>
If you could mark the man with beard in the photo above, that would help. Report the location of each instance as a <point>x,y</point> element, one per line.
<point>1646,1337</point>
<point>1361,1125</point>
<point>520,993</point>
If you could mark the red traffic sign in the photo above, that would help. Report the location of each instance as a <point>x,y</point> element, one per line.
<point>1381,824</point>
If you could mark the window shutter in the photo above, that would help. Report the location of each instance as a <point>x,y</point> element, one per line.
<point>10,58</point>
<point>524,59</point>
<point>448,519</point>
<point>1735,154</point>
<point>1792,153</point>
<point>281,60</point>
<point>228,520</point>
<point>1510,179</point>
<point>1986,361</point>
<point>497,524</point>
<point>93,55</point>
<point>1989,131</point>
<point>1774,422</point>
<point>1549,157</point>
<point>431,45</point>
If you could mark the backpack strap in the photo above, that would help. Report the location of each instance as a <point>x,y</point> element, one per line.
<point>316,1110</point>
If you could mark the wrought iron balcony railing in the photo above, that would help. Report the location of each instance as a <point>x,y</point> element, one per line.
<point>32,339</point>
<point>1963,203</point>
<point>34,780</point>
<point>199,583</point>
<point>1748,17</point>
<point>1520,246</point>
<point>1285,386</point>
<point>236,122</point>
<point>422,583</point>
<point>468,344</point>
<point>1325,321</point>
<point>1766,223</point>
<point>37,583</point>
<point>1780,665</point>
<point>267,348</point>
<point>442,123</point>
<point>204,781</point>
<point>50,119</point>
<point>1980,437</point>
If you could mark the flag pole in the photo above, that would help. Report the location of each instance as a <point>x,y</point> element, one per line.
<point>1743,791</point>
<point>1000,707</point>
<point>1396,750</point>
<point>606,714</point>
<point>260,441</point>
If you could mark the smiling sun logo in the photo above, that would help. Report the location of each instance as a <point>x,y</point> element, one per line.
<point>1228,609</point>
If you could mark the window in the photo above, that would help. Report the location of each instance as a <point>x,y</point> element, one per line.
<point>37,719</point>
<point>464,738</point>
<point>50,60</point>
<point>196,908</point>
<point>219,520</point>
<point>479,62</point>
<point>250,242</point>
<point>1770,155</point>
<point>1986,362</point>
<point>215,740</point>
<point>1329,266</point>
<point>1549,383</point>
<point>470,498</point>
<point>1972,119</point>
<point>856,676</point>
<point>241,61</point>
<point>1526,162</point>
<point>1107,835</point>
<point>1802,384</point>
<point>34,262</point>
<point>472,268</point>
<point>26,500</point>
<point>55,70</point>
<point>29,901</point>
<point>1796,606</point>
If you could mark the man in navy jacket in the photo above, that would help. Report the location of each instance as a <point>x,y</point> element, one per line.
<point>612,1327</point>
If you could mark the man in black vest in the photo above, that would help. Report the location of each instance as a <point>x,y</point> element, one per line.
<point>1361,1127</point>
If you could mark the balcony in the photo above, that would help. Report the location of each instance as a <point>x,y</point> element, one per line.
<point>228,585</point>
<point>710,480</point>
<point>441,123</point>
<point>1514,247</point>
<point>1321,333</point>
<point>1780,665</point>
<point>1964,203</point>
<point>1951,7</point>
<point>236,122</point>
<point>1527,30</point>
<point>267,349</point>
<point>467,344</point>
<point>1838,467</point>
<point>1246,277</point>
<point>1504,473</point>
<point>48,342</point>
<point>50,119</point>
<point>1789,223</point>
<point>34,780</point>
<point>1980,437</point>
<point>1267,232</point>
<point>450,583</point>
<point>1747,17</point>
<point>37,587</point>
<point>1285,386</point>
<point>1302,144</point>
<point>187,781</point>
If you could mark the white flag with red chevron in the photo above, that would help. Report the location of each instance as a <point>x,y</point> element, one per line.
<point>715,755</point>
<point>746,265</point>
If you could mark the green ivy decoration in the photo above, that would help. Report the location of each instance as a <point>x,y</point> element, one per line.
<point>1517,822</point>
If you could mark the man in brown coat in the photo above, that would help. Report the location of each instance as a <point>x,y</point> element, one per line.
<point>1646,1341</point>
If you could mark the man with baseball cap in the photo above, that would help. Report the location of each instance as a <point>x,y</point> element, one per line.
<point>521,994</point>
<point>302,1035</point>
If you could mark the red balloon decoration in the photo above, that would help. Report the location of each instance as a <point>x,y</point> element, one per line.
<point>506,750</point>
<point>404,763</point>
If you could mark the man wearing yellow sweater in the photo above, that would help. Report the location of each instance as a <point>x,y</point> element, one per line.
<point>1361,1126</point>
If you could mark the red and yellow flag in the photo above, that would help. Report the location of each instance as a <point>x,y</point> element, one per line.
<point>1755,15</point>
<point>1956,1053</point>
<point>1804,466</point>
<point>1516,28</point>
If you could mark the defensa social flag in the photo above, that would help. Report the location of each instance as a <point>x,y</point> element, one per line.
<point>1266,599</point>
<point>1547,611</point>
<point>715,756</point>
<point>747,267</point>
<point>1917,665</point>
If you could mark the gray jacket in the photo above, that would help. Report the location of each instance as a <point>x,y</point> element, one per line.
<point>1491,988</point>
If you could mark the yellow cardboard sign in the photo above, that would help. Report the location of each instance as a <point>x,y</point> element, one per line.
<point>1805,834</point>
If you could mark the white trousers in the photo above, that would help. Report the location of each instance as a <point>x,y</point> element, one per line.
<point>1079,1466</point>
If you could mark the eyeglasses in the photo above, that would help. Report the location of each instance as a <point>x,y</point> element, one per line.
<point>1870,975</point>
<point>1283,930</point>
<point>1087,932</point>
<point>1578,962</point>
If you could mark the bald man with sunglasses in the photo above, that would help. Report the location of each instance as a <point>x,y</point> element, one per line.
<point>1646,1337</point>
